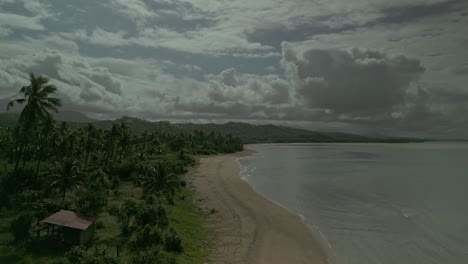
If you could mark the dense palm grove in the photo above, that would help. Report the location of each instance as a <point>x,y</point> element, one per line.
<point>46,166</point>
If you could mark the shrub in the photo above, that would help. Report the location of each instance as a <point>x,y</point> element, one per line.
<point>75,254</point>
<point>115,182</point>
<point>149,214</point>
<point>99,224</point>
<point>152,256</point>
<point>28,199</point>
<point>101,179</point>
<point>183,183</point>
<point>91,201</point>
<point>4,199</point>
<point>99,256</point>
<point>13,183</point>
<point>126,169</point>
<point>172,241</point>
<point>60,261</point>
<point>125,214</point>
<point>20,227</point>
<point>79,255</point>
<point>145,237</point>
<point>47,206</point>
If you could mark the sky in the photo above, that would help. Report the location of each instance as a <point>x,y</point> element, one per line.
<point>364,66</point>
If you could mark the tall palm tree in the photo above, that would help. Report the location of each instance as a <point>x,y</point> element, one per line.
<point>44,135</point>
<point>36,95</point>
<point>90,141</point>
<point>123,143</point>
<point>38,101</point>
<point>68,176</point>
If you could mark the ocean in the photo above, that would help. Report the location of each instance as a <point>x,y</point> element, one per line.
<point>371,203</point>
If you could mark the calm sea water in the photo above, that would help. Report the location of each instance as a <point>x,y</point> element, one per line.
<point>372,203</point>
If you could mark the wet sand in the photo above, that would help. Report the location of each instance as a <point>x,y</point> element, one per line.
<point>250,229</point>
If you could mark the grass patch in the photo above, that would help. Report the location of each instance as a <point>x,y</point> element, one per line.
<point>189,224</point>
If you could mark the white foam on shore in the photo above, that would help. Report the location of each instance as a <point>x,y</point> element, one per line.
<point>313,228</point>
<point>244,170</point>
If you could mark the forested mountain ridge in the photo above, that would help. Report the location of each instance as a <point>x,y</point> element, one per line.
<point>248,133</point>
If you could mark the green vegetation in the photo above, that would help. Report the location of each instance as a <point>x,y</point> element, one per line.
<point>248,133</point>
<point>130,182</point>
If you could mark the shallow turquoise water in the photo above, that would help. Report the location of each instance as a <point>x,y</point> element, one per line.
<point>372,203</point>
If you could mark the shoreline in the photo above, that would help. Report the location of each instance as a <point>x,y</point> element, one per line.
<point>249,227</point>
<point>323,241</point>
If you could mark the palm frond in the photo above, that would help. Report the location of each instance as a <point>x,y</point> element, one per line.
<point>39,80</point>
<point>46,90</point>
<point>46,105</point>
<point>9,105</point>
<point>23,89</point>
<point>37,83</point>
<point>54,183</point>
<point>42,79</point>
<point>54,101</point>
<point>44,115</point>
<point>17,101</point>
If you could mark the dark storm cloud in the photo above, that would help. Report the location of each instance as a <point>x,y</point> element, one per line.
<point>208,64</point>
<point>323,25</point>
<point>16,7</point>
<point>352,82</point>
<point>127,15</point>
<point>179,15</point>
<point>411,12</point>
<point>451,97</point>
<point>275,36</point>
<point>461,70</point>
<point>86,15</point>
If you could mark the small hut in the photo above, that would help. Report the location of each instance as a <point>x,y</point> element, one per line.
<point>74,228</point>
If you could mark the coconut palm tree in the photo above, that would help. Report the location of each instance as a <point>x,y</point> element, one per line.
<point>37,98</point>
<point>36,95</point>
<point>89,142</point>
<point>123,142</point>
<point>67,177</point>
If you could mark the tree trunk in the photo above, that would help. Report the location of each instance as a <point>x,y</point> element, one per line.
<point>86,160</point>
<point>38,166</point>
<point>24,162</point>
<point>19,155</point>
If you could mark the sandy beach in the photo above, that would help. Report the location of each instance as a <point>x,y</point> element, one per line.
<point>249,227</point>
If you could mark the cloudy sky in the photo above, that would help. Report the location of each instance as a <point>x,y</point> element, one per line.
<point>368,66</point>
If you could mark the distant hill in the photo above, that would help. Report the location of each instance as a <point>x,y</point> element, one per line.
<point>254,133</point>
<point>281,134</point>
<point>247,132</point>
<point>8,119</point>
<point>70,116</point>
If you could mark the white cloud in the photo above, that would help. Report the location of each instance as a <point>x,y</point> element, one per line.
<point>20,22</point>
<point>248,89</point>
<point>75,77</point>
<point>98,37</point>
<point>134,9</point>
